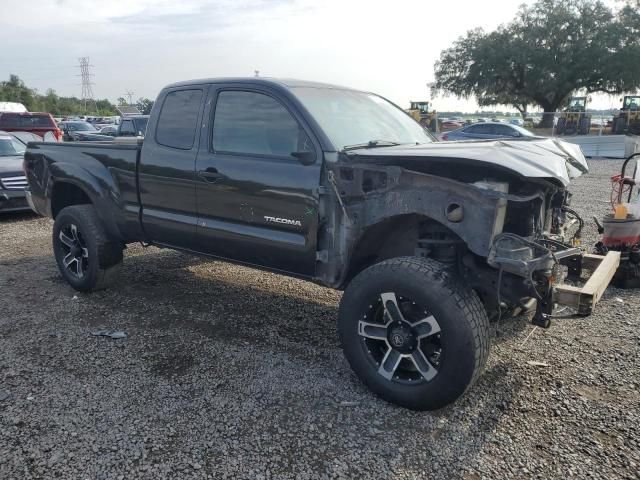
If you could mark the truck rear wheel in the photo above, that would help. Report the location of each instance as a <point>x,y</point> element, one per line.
<point>87,259</point>
<point>413,333</point>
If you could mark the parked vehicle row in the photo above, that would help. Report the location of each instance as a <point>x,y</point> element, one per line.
<point>80,131</point>
<point>12,179</point>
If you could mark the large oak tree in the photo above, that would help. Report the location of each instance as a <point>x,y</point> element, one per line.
<point>548,51</point>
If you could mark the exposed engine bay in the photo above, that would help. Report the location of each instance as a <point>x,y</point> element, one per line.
<point>497,212</point>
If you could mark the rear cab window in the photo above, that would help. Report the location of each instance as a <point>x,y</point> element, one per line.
<point>11,120</point>
<point>178,119</point>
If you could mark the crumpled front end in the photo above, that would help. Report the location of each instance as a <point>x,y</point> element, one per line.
<point>548,159</point>
<point>498,212</point>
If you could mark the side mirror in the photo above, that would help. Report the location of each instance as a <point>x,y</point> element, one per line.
<point>306,157</point>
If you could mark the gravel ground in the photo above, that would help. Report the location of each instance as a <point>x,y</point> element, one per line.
<point>229,372</point>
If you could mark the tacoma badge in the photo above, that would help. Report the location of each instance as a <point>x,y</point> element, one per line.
<point>285,221</point>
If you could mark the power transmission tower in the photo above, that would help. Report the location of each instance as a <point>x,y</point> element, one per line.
<point>87,91</point>
<point>129,94</point>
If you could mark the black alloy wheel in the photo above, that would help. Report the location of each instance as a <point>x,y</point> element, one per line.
<point>402,338</point>
<point>76,258</point>
<point>87,257</point>
<point>413,332</point>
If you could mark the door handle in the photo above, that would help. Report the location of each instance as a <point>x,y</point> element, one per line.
<point>210,175</point>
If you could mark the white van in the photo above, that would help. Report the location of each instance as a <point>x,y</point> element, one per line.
<point>12,107</point>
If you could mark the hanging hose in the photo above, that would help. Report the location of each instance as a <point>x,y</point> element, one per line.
<point>578,233</point>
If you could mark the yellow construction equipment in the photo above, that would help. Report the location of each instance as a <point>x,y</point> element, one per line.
<point>422,113</point>
<point>627,120</point>
<point>574,120</point>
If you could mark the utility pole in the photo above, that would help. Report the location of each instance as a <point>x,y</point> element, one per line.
<point>129,94</point>
<point>87,90</point>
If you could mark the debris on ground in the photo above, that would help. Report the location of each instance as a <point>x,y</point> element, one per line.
<point>535,363</point>
<point>115,334</point>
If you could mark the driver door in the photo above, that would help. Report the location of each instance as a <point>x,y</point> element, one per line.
<point>257,178</point>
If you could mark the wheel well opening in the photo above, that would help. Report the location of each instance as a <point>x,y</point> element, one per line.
<point>403,235</point>
<point>66,194</point>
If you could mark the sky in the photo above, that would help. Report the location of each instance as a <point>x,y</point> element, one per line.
<point>388,47</point>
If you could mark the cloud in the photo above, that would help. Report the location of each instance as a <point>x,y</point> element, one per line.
<point>382,46</point>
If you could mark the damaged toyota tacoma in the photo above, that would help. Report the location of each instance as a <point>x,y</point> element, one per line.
<point>428,240</point>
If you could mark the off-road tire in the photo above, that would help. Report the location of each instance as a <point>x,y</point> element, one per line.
<point>104,255</point>
<point>571,128</point>
<point>458,310</point>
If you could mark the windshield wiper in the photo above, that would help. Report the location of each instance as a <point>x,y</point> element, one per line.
<point>370,144</point>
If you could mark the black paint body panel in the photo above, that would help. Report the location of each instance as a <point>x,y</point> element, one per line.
<point>150,192</point>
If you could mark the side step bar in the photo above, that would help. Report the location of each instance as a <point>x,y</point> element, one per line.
<point>584,299</point>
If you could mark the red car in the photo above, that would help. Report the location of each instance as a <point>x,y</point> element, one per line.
<point>37,123</point>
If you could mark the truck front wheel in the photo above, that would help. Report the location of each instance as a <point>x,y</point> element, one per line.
<point>413,333</point>
<point>87,259</point>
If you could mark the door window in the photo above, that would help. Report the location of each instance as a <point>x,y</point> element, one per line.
<point>256,124</point>
<point>479,129</point>
<point>178,119</point>
<point>504,131</point>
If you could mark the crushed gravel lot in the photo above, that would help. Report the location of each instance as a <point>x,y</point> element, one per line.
<point>228,372</point>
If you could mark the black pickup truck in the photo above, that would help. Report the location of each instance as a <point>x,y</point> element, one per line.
<point>341,187</point>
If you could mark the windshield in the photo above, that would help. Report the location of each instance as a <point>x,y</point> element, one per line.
<point>632,102</point>
<point>80,127</point>
<point>10,146</point>
<point>351,118</point>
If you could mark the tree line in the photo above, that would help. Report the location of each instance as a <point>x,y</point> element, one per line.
<point>550,51</point>
<point>15,90</point>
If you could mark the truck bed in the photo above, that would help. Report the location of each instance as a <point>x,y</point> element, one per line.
<point>94,165</point>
